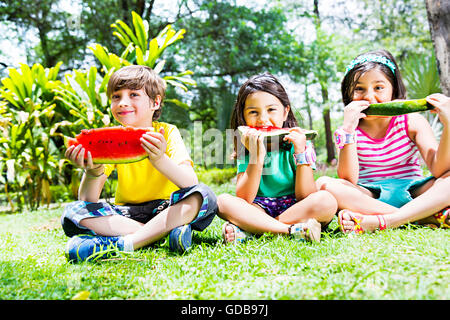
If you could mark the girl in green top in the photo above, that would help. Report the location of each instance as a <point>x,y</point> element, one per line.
<point>275,189</point>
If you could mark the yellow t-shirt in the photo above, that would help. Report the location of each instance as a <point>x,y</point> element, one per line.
<point>139,181</point>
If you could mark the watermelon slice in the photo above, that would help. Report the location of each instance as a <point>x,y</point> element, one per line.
<point>270,132</point>
<point>112,144</point>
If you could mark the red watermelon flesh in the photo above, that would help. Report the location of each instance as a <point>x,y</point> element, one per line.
<point>112,144</point>
<point>272,131</point>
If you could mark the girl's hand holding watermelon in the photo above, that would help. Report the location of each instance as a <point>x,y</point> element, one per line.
<point>353,113</point>
<point>253,141</point>
<point>442,107</point>
<point>297,138</point>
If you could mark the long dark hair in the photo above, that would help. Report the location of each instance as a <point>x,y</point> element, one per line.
<point>350,80</point>
<point>262,82</point>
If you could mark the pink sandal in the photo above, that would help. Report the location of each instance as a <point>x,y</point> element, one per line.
<point>357,218</point>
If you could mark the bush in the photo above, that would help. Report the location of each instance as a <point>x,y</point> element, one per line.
<point>215,176</point>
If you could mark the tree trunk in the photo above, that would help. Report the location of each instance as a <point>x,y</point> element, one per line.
<point>327,123</point>
<point>326,111</point>
<point>438,12</point>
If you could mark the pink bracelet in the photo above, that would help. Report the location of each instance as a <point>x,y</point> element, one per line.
<point>342,137</point>
<point>306,157</point>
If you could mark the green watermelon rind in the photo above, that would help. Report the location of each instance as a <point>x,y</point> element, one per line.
<point>396,108</point>
<point>120,161</point>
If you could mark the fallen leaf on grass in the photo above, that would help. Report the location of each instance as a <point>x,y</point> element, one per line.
<point>82,295</point>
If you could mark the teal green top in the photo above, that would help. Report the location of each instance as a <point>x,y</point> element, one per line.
<point>278,176</point>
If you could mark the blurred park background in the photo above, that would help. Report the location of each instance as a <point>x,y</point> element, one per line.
<point>57,56</point>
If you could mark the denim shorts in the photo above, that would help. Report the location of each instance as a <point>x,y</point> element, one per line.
<point>143,212</point>
<point>396,192</point>
<point>275,206</point>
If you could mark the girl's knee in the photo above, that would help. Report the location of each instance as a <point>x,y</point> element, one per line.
<point>222,201</point>
<point>444,179</point>
<point>321,182</point>
<point>324,202</point>
<point>327,183</point>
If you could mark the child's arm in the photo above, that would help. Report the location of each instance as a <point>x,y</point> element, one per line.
<point>93,178</point>
<point>436,156</point>
<point>182,175</point>
<point>304,178</point>
<point>247,184</point>
<point>348,164</point>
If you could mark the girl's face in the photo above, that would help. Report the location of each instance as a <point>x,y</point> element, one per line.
<point>373,86</point>
<point>264,109</point>
<point>133,107</point>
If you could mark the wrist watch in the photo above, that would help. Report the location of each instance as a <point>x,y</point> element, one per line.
<point>306,157</point>
<point>342,137</point>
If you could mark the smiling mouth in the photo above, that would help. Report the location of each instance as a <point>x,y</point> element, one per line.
<point>122,113</point>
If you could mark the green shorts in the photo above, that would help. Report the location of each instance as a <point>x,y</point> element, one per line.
<point>396,192</point>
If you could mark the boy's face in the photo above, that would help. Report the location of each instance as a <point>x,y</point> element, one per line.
<point>133,107</point>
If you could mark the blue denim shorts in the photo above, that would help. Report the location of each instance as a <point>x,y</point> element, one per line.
<point>396,192</point>
<point>76,211</point>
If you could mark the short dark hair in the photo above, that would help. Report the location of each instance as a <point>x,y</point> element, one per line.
<point>348,84</point>
<point>136,77</point>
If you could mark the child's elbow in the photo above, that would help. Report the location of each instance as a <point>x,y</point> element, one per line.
<point>352,178</point>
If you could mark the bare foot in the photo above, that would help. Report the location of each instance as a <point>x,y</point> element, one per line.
<point>357,222</point>
<point>228,233</point>
<point>433,221</point>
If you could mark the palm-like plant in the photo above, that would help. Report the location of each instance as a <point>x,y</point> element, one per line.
<point>422,79</point>
<point>26,148</point>
<point>84,92</point>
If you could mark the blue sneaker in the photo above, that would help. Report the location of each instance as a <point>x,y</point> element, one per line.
<point>88,247</point>
<point>180,238</point>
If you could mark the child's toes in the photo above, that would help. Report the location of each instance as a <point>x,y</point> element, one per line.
<point>229,234</point>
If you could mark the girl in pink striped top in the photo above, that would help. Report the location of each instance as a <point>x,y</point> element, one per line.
<point>381,182</point>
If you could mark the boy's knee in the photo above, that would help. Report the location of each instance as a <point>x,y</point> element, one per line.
<point>200,201</point>
<point>68,221</point>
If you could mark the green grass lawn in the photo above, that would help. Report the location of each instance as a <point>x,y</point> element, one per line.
<point>406,263</point>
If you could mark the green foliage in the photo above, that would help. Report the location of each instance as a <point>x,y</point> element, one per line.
<point>421,76</point>
<point>84,94</point>
<point>141,51</point>
<point>215,176</point>
<point>228,43</point>
<point>26,148</point>
<point>43,109</point>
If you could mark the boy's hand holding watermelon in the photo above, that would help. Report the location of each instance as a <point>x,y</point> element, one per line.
<point>78,156</point>
<point>154,144</point>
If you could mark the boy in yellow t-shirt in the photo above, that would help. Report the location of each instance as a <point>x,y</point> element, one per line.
<point>155,196</point>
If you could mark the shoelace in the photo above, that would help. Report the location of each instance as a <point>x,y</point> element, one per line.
<point>110,250</point>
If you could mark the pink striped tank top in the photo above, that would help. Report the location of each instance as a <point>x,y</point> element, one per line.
<point>393,157</point>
